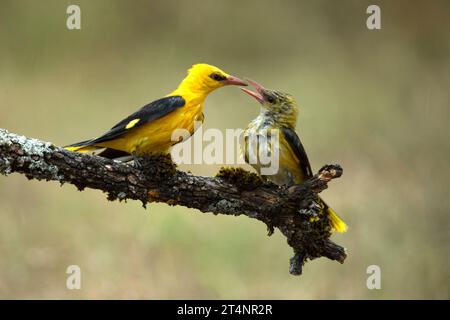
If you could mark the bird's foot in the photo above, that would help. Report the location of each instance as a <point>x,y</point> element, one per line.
<point>139,162</point>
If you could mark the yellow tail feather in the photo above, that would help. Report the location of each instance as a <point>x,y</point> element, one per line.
<point>82,149</point>
<point>336,223</point>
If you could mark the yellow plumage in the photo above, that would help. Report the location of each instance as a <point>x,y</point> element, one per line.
<point>82,149</point>
<point>279,112</point>
<point>289,162</point>
<point>336,223</point>
<point>150,129</point>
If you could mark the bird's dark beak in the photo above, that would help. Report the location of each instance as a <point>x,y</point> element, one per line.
<point>258,95</point>
<point>231,80</point>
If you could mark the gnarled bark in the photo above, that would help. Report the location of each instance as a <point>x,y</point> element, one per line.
<point>293,210</point>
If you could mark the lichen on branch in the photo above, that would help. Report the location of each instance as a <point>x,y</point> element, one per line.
<point>233,191</point>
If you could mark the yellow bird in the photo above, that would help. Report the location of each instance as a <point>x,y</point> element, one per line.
<point>279,112</point>
<point>149,130</point>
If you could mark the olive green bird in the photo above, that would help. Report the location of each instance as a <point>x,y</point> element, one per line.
<point>279,111</point>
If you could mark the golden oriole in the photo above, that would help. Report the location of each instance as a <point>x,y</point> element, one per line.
<point>149,130</point>
<point>279,111</point>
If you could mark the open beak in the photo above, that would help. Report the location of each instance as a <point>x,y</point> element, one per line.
<point>258,95</point>
<point>231,80</point>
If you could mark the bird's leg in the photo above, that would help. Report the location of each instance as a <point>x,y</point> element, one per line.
<point>138,162</point>
<point>145,164</point>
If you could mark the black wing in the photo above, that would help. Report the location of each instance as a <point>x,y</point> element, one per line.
<point>150,112</point>
<point>297,146</point>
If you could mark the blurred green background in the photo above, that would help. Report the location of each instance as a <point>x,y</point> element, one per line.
<point>377,102</point>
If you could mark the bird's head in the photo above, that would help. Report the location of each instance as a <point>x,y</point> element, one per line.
<point>277,104</point>
<point>206,78</point>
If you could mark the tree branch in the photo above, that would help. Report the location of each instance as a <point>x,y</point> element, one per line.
<point>292,210</point>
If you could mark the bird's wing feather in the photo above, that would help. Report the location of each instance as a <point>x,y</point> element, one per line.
<point>296,145</point>
<point>150,112</point>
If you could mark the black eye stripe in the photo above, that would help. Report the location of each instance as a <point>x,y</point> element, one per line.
<point>217,77</point>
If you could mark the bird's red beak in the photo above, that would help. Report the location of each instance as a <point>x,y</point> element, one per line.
<point>258,95</point>
<point>231,80</point>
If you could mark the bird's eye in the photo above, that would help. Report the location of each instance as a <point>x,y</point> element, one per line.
<point>217,77</point>
<point>270,99</point>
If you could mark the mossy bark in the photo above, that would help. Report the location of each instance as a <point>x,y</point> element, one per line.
<point>231,192</point>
